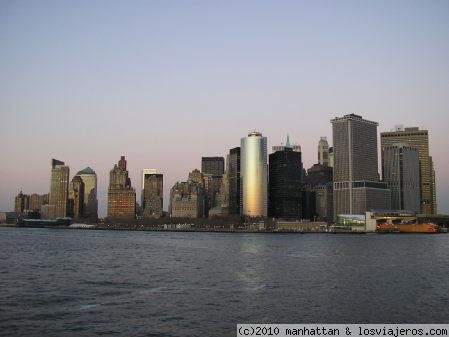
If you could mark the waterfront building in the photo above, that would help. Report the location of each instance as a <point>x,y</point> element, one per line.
<point>400,170</point>
<point>285,184</point>
<point>187,200</point>
<point>121,196</point>
<point>356,181</point>
<point>59,190</point>
<point>21,203</point>
<point>233,169</point>
<point>76,198</point>
<point>253,175</point>
<point>152,193</point>
<point>323,152</point>
<point>90,207</point>
<point>418,139</point>
<point>212,165</point>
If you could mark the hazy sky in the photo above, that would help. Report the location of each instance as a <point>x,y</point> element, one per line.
<point>166,82</point>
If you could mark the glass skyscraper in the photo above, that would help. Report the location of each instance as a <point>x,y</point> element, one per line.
<point>253,175</point>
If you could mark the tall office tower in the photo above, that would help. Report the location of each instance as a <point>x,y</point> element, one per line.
<point>59,189</point>
<point>121,196</point>
<point>400,170</point>
<point>21,203</point>
<point>356,181</point>
<point>323,152</point>
<point>319,181</point>
<point>418,139</point>
<point>253,175</point>
<point>90,207</point>
<point>76,198</point>
<point>212,165</point>
<point>152,193</point>
<point>233,169</point>
<point>213,170</point>
<point>285,184</point>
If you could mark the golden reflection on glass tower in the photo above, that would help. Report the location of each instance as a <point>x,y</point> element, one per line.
<point>253,175</point>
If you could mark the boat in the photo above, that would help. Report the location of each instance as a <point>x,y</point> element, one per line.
<point>407,228</point>
<point>418,228</point>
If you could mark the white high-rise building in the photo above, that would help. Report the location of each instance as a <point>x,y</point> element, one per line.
<point>254,175</point>
<point>323,152</point>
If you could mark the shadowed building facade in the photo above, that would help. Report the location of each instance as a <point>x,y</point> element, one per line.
<point>400,170</point>
<point>152,193</point>
<point>285,184</point>
<point>418,139</point>
<point>121,196</point>
<point>253,175</point>
<point>76,198</point>
<point>233,168</point>
<point>356,181</point>
<point>90,201</point>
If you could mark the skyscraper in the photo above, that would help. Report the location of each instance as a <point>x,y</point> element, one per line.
<point>234,181</point>
<point>76,197</point>
<point>356,181</point>
<point>212,165</point>
<point>121,196</point>
<point>323,152</point>
<point>21,203</point>
<point>59,189</point>
<point>89,178</point>
<point>418,139</point>
<point>152,193</point>
<point>285,184</point>
<point>400,170</point>
<point>253,175</point>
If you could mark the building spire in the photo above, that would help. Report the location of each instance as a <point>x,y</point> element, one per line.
<point>287,145</point>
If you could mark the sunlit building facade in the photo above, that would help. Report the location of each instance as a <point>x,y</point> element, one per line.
<point>121,196</point>
<point>253,175</point>
<point>59,189</point>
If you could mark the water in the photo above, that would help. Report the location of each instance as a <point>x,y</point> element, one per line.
<point>86,283</point>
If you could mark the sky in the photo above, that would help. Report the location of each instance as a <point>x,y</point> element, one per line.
<point>167,82</point>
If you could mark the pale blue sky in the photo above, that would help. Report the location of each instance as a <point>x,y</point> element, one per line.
<point>166,82</point>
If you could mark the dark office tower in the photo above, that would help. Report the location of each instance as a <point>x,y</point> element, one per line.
<point>234,181</point>
<point>121,196</point>
<point>76,198</point>
<point>21,203</point>
<point>285,186</point>
<point>418,139</point>
<point>400,170</point>
<point>319,181</point>
<point>356,181</point>
<point>152,193</point>
<point>212,165</point>
<point>59,190</point>
<point>89,177</point>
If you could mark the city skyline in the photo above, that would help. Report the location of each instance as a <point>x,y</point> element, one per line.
<point>165,84</point>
